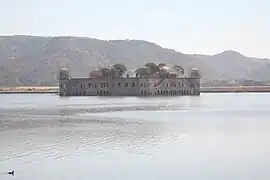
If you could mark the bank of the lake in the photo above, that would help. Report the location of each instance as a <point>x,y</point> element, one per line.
<point>54,89</point>
<point>29,89</point>
<point>235,89</point>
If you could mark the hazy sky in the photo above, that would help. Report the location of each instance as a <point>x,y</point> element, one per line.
<point>190,26</point>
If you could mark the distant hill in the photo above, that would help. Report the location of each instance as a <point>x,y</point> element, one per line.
<point>30,60</point>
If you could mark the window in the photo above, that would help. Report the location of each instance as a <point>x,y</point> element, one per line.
<point>133,84</point>
<point>89,85</point>
<point>95,85</point>
<point>61,85</point>
<point>81,86</point>
<point>107,84</point>
<point>126,84</point>
<point>119,84</point>
<point>141,84</point>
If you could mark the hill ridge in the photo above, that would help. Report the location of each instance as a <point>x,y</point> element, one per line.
<point>36,60</point>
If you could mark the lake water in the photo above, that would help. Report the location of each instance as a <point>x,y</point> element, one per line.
<point>214,136</point>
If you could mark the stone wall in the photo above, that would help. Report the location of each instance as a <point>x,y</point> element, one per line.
<point>129,87</point>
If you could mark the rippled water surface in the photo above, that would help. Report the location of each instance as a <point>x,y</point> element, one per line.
<point>214,136</point>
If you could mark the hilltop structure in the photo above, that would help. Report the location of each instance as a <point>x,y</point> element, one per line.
<point>150,80</point>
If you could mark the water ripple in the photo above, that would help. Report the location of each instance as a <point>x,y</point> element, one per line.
<point>209,137</point>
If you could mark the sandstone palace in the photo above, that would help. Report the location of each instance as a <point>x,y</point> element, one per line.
<point>150,80</point>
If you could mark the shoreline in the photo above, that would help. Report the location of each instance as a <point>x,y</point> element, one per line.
<point>236,89</point>
<point>29,90</point>
<point>54,89</point>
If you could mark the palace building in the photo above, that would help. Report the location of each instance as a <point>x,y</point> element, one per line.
<point>152,80</point>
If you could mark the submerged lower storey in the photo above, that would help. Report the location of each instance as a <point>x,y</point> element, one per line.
<point>129,87</point>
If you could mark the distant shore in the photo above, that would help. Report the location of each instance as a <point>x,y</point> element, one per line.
<point>28,89</point>
<point>54,89</point>
<point>235,89</point>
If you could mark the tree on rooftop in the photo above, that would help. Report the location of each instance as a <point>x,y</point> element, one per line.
<point>113,72</point>
<point>179,69</point>
<point>142,72</point>
<point>152,68</point>
<point>160,65</point>
<point>164,73</point>
<point>120,68</point>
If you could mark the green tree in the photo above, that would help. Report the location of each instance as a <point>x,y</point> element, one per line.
<point>152,68</point>
<point>120,68</point>
<point>163,73</point>
<point>179,69</point>
<point>113,72</point>
<point>142,72</point>
<point>160,65</point>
